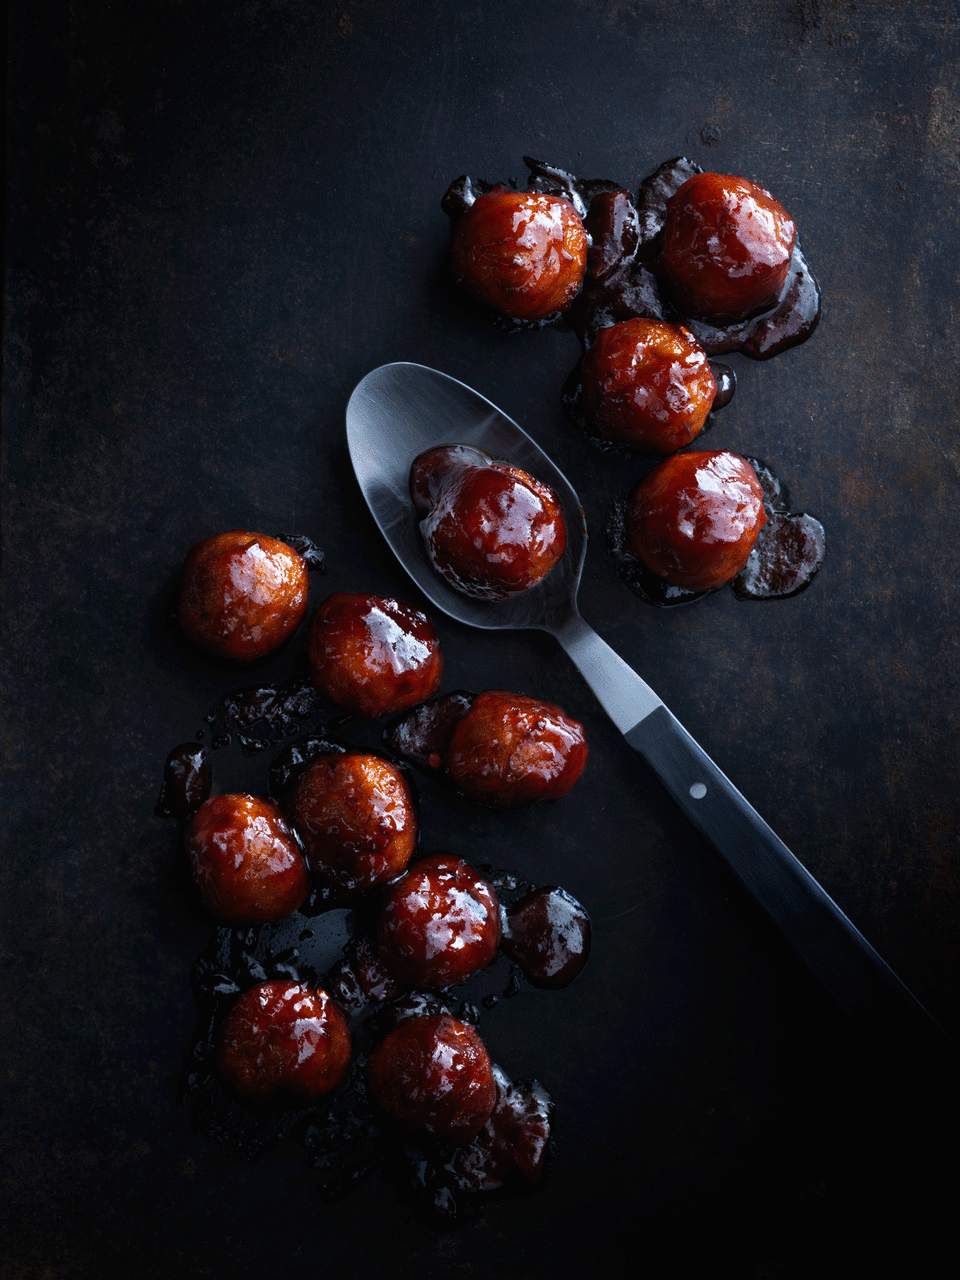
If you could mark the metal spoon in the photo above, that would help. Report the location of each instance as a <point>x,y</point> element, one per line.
<point>400,410</point>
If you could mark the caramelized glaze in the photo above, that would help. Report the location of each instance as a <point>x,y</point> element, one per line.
<point>242,594</point>
<point>693,520</point>
<point>510,750</point>
<point>647,385</point>
<point>439,923</point>
<point>432,1075</point>
<point>356,817</point>
<point>489,528</point>
<point>245,860</point>
<point>283,1044</point>
<point>520,253</point>
<point>373,655</point>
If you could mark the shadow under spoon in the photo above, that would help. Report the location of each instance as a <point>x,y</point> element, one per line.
<point>400,410</point>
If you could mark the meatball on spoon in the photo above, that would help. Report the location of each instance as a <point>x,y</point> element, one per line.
<point>397,413</point>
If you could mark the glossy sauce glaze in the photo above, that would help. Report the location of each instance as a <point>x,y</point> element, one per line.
<point>250,1104</point>
<point>489,528</point>
<point>503,750</point>
<point>283,1044</point>
<point>439,923</point>
<point>357,819</point>
<point>242,594</point>
<point>785,558</point>
<point>693,520</point>
<point>521,253</point>
<point>647,385</point>
<point>245,860</point>
<point>726,249</point>
<point>624,257</point>
<point>373,655</point>
<point>432,1075</point>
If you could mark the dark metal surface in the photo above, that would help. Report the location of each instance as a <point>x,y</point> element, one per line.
<point>222,216</point>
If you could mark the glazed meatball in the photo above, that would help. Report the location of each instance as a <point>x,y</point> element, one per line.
<point>355,814</point>
<point>509,751</point>
<point>726,249</point>
<point>245,860</point>
<point>242,594</point>
<point>490,529</point>
<point>440,923</point>
<point>694,519</point>
<point>648,385</point>
<point>520,253</point>
<point>283,1044</point>
<point>433,1075</point>
<point>372,655</point>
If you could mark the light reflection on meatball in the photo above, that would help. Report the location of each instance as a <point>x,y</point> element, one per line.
<point>355,814</point>
<point>695,518</point>
<point>373,655</point>
<point>242,594</point>
<point>521,253</point>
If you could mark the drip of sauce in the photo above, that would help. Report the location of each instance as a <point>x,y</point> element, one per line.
<point>263,715</point>
<point>187,781</point>
<point>548,934</point>
<point>306,547</point>
<point>789,551</point>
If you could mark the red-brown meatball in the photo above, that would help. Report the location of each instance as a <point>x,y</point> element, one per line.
<point>283,1044</point>
<point>648,385</point>
<point>433,1075</point>
<point>439,924</point>
<point>356,817</point>
<point>372,655</point>
<point>694,519</point>
<point>520,253</point>
<point>491,529</point>
<point>242,594</point>
<point>245,860</point>
<point>726,249</point>
<point>510,750</point>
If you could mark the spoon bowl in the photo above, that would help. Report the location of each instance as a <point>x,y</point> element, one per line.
<point>398,412</point>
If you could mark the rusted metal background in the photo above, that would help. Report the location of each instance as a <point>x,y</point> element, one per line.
<point>223,215</point>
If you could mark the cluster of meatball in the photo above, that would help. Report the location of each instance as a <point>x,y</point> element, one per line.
<point>720,256</point>
<point>348,822</point>
<point>285,1043</point>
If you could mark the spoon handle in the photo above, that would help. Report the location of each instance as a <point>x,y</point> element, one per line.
<point>861,982</point>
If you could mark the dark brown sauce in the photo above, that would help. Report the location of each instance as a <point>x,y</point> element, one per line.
<point>187,780</point>
<point>263,715</point>
<point>621,281</point>
<point>786,558</point>
<point>789,551</point>
<point>328,943</point>
<point>306,547</point>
